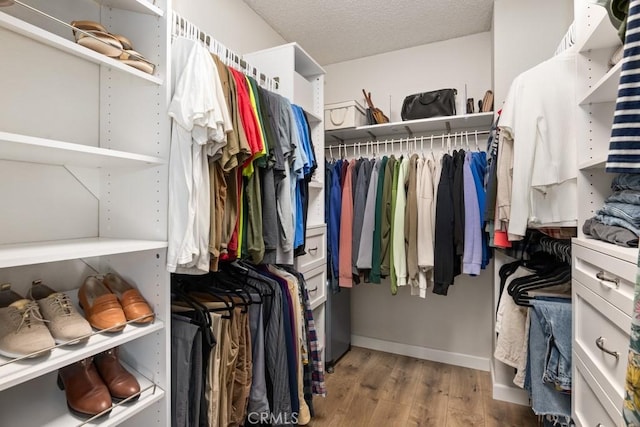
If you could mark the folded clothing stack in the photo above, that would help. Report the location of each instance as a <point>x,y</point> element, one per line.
<point>619,219</point>
<point>95,36</point>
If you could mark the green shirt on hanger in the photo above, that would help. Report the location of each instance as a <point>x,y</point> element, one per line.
<point>376,258</point>
<point>394,192</point>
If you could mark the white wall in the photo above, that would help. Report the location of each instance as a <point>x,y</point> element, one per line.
<point>231,22</point>
<point>525,33</point>
<point>392,76</point>
<point>461,321</point>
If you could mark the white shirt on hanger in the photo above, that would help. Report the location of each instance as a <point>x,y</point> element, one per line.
<point>197,116</point>
<point>539,116</point>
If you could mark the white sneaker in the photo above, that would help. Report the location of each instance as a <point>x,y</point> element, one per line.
<point>22,327</point>
<point>65,323</point>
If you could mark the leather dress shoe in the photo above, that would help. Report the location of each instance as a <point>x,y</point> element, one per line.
<point>133,303</point>
<point>119,381</point>
<point>101,307</point>
<point>87,395</point>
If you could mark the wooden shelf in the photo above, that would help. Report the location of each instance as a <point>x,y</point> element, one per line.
<point>627,254</point>
<point>19,408</point>
<point>21,371</point>
<point>602,34</point>
<point>140,6</point>
<point>14,255</point>
<point>468,122</point>
<point>38,34</point>
<point>606,89</point>
<point>26,148</point>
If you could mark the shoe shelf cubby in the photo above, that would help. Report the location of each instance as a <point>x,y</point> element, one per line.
<point>140,6</point>
<point>42,36</point>
<point>24,406</point>
<point>15,372</point>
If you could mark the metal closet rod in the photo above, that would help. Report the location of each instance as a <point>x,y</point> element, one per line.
<point>415,140</point>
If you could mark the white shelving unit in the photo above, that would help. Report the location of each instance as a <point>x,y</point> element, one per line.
<point>598,311</point>
<point>84,145</point>
<point>434,125</point>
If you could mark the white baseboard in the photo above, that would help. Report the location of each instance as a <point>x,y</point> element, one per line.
<point>458,359</point>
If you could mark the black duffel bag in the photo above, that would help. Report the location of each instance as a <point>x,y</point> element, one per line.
<point>429,104</point>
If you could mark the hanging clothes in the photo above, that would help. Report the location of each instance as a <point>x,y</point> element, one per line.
<point>198,117</point>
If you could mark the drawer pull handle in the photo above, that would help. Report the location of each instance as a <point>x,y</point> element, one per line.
<point>605,281</point>
<point>600,345</point>
<point>314,289</point>
<point>313,251</point>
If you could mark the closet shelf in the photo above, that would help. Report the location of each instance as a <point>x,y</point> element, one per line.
<point>313,117</point>
<point>593,164</point>
<point>626,254</point>
<point>24,370</point>
<point>14,255</point>
<point>435,125</point>
<point>600,35</point>
<point>38,34</point>
<point>606,89</point>
<point>140,6</point>
<point>50,407</point>
<point>32,149</point>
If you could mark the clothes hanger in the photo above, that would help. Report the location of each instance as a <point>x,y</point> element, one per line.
<point>476,137</point>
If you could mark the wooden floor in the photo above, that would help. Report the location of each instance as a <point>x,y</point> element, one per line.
<point>372,388</point>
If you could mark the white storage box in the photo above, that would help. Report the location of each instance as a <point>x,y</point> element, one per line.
<point>342,115</point>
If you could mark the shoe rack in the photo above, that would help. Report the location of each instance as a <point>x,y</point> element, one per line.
<point>84,145</point>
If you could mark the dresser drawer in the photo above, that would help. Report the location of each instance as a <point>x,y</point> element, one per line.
<point>611,278</point>
<point>316,285</point>
<point>591,407</point>
<point>601,328</point>
<point>315,248</point>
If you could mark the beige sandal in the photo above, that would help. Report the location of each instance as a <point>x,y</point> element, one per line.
<point>101,42</point>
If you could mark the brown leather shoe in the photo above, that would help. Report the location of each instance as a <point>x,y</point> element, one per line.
<point>119,381</point>
<point>100,306</point>
<point>87,395</point>
<point>133,304</point>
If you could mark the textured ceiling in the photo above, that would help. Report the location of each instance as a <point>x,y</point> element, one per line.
<point>339,30</point>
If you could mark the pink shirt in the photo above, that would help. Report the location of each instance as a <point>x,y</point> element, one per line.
<point>346,229</point>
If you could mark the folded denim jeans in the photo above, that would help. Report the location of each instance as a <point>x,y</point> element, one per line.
<point>625,196</point>
<point>613,220</point>
<point>626,211</point>
<point>626,181</point>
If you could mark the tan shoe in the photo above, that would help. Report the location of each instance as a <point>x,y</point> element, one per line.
<point>133,303</point>
<point>22,327</point>
<point>101,307</point>
<point>63,320</point>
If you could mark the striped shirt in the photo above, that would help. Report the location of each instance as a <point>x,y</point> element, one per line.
<point>624,146</point>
